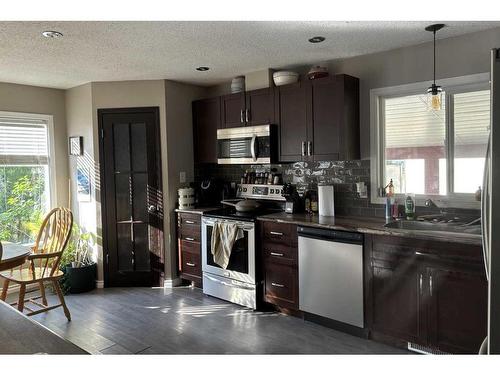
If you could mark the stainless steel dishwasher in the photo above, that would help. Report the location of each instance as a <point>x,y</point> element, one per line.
<point>331,274</point>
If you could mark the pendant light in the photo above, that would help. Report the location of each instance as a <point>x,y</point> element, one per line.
<point>434,93</point>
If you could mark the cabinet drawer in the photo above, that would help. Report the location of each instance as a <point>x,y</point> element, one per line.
<point>188,219</point>
<point>191,263</point>
<point>281,285</point>
<point>190,233</point>
<point>280,253</point>
<point>190,246</point>
<point>279,232</point>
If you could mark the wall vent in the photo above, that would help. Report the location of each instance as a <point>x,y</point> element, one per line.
<point>424,349</point>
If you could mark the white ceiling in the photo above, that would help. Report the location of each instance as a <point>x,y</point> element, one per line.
<point>109,51</point>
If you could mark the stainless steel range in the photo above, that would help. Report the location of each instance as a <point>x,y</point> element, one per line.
<point>237,283</point>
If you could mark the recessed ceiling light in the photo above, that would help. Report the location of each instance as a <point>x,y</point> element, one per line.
<point>52,34</point>
<point>202,68</point>
<point>317,39</point>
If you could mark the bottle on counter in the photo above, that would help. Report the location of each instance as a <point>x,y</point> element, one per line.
<point>314,201</point>
<point>389,201</point>
<point>410,206</point>
<point>307,201</point>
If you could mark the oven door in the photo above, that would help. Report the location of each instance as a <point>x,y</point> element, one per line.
<point>245,145</point>
<point>241,265</point>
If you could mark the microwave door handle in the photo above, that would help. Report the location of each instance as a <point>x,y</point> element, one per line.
<point>252,148</point>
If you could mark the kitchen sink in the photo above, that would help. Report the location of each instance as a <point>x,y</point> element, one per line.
<point>434,227</point>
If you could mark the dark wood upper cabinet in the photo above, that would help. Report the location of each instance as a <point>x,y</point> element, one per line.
<point>233,110</point>
<point>206,121</point>
<point>319,119</point>
<point>248,108</point>
<point>291,112</point>
<point>259,107</point>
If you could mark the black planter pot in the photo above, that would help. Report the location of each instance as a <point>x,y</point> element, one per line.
<point>81,279</point>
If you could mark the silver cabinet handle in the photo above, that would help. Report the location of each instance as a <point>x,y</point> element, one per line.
<point>241,116</point>
<point>276,254</point>
<point>189,238</point>
<point>430,285</point>
<point>303,152</point>
<point>190,264</point>
<point>247,115</point>
<point>421,281</point>
<point>276,233</point>
<point>278,285</point>
<point>189,222</point>
<point>252,148</point>
<point>309,148</point>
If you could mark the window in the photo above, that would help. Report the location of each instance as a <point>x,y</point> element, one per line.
<point>25,178</point>
<point>433,154</point>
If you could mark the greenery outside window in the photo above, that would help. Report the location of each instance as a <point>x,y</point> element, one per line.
<point>25,175</point>
<point>433,154</point>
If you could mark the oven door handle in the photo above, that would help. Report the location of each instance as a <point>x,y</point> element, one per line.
<point>231,285</point>
<point>252,148</point>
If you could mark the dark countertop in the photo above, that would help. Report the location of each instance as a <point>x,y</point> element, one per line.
<point>198,211</point>
<point>21,335</point>
<point>369,225</point>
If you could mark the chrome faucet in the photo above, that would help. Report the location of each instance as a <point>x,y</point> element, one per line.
<point>430,203</point>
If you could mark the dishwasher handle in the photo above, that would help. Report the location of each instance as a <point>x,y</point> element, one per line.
<point>330,235</point>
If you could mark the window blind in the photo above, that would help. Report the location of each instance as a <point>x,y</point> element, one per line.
<point>23,141</point>
<point>408,123</point>
<point>471,117</point>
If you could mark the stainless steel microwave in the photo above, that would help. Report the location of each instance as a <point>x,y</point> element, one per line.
<point>247,145</point>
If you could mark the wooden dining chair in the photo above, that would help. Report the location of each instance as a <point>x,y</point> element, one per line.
<point>43,263</point>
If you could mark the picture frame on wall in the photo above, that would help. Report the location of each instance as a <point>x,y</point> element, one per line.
<point>76,146</point>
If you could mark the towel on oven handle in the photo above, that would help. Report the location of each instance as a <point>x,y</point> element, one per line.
<point>224,235</point>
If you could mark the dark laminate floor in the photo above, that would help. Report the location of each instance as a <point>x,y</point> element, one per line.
<point>184,320</point>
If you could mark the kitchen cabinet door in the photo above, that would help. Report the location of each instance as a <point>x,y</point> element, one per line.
<point>259,107</point>
<point>333,126</point>
<point>458,310</point>
<point>232,110</point>
<point>291,110</point>
<point>206,121</point>
<point>281,285</point>
<point>397,288</point>
<point>325,122</point>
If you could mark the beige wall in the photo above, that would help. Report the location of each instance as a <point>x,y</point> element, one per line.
<point>179,97</point>
<point>40,100</point>
<point>176,140</point>
<point>458,56</point>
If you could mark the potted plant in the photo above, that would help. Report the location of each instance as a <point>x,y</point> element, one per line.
<point>77,264</point>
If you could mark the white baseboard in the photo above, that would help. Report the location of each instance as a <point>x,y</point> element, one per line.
<point>172,283</point>
<point>99,284</point>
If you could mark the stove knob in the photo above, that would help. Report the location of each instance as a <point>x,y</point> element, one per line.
<point>244,190</point>
<point>272,191</point>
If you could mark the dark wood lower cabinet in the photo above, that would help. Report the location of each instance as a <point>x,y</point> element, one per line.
<point>429,293</point>
<point>189,247</point>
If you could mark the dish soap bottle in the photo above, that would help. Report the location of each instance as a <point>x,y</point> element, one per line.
<point>410,207</point>
<point>389,193</point>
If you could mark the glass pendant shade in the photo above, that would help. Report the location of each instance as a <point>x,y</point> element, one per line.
<point>434,97</point>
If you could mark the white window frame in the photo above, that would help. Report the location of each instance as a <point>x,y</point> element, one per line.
<point>49,119</point>
<point>451,86</point>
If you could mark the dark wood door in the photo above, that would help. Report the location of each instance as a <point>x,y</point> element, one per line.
<point>259,107</point>
<point>132,205</point>
<point>396,300</point>
<point>324,128</point>
<point>292,118</point>
<point>233,110</point>
<point>458,310</point>
<point>206,121</point>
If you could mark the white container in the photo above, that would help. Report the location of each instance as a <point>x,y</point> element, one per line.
<point>326,206</point>
<point>284,77</point>
<point>186,198</point>
<point>238,84</point>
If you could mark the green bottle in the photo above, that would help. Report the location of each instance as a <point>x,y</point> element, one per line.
<point>409,207</point>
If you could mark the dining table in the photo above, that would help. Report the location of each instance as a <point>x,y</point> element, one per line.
<point>13,255</point>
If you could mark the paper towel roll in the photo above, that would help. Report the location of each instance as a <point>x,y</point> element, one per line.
<point>325,200</point>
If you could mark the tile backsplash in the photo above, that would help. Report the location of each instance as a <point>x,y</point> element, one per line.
<point>308,174</point>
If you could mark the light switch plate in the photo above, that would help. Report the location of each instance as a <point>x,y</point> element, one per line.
<point>182,177</point>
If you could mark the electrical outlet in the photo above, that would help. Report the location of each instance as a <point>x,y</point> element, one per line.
<point>182,177</point>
